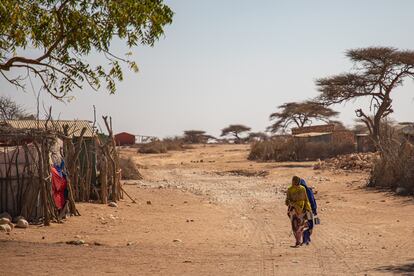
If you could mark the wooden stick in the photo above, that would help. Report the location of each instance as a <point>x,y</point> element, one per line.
<point>133,200</point>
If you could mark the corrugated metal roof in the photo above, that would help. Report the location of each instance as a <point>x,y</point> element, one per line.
<point>311,134</point>
<point>75,126</point>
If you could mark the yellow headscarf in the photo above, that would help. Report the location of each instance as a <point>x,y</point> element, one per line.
<point>296,197</point>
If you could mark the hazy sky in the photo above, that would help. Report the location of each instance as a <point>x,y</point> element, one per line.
<point>224,62</point>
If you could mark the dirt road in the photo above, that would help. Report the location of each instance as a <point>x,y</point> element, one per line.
<point>196,215</point>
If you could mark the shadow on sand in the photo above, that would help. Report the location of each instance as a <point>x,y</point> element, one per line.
<point>404,269</point>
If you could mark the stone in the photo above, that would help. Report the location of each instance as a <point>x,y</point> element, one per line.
<point>76,242</point>
<point>22,223</point>
<point>16,219</point>
<point>6,215</point>
<point>4,221</point>
<point>112,204</point>
<point>401,191</point>
<point>177,240</point>
<point>149,202</point>
<point>5,228</point>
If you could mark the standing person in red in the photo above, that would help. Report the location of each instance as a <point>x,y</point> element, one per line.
<point>298,208</point>
<point>59,185</point>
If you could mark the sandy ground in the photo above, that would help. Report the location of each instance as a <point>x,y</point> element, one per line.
<point>202,220</point>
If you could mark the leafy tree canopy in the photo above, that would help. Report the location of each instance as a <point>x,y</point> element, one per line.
<point>195,136</point>
<point>235,131</point>
<point>299,115</point>
<point>50,39</point>
<point>377,72</point>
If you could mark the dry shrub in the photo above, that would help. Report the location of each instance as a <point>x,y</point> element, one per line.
<point>153,147</point>
<point>395,167</point>
<point>175,143</point>
<point>287,149</point>
<point>277,149</point>
<point>129,169</point>
<point>246,173</point>
<point>167,144</point>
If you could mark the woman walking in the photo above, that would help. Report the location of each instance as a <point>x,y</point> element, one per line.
<point>298,208</point>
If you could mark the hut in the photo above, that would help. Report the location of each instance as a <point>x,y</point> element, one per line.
<point>124,139</point>
<point>27,186</point>
<point>405,131</point>
<point>47,166</point>
<point>328,133</point>
<point>322,141</point>
<point>364,142</point>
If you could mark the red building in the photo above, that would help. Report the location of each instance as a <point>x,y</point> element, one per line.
<point>124,138</point>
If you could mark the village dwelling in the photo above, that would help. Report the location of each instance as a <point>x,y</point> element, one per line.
<point>322,141</point>
<point>328,133</point>
<point>46,166</point>
<point>124,139</point>
<point>405,131</point>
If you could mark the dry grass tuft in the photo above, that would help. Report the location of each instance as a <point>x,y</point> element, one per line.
<point>153,147</point>
<point>163,146</point>
<point>129,169</point>
<point>395,167</point>
<point>246,173</point>
<point>279,149</point>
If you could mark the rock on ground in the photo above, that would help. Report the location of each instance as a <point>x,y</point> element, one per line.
<point>5,228</point>
<point>22,223</point>
<point>5,221</point>
<point>5,215</point>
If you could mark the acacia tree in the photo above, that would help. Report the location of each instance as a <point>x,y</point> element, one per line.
<point>377,72</point>
<point>235,131</point>
<point>64,32</point>
<point>299,115</point>
<point>10,110</point>
<point>195,136</point>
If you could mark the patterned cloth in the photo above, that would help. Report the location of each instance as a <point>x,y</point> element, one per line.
<point>296,197</point>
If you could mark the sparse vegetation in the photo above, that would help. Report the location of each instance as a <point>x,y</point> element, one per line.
<point>129,169</point>
<point>299,115</point>
<point>153,147</point>
<point>378,71</point>
<point>276,149</point>
<point>163,146</point>
<point>286,148</point>
<point>196,137</point>
<point>395,167</point>
<point>236,131</point>
<point>10,110</point>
